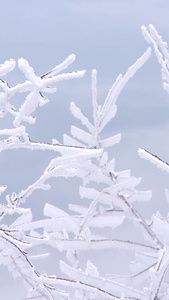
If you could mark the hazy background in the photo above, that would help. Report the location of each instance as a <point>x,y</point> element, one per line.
<point>105,35</point>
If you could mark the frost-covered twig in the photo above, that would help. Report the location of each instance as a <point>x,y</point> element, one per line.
<point>140,220</point>
<point>22,266</point>
<point>154,159</point>
<point>103,114</point>
<point>18,138</point>
<point>68,166</point>
<point>108,285</point>
<point>34,84</point>
<point>151,35</point>
<point>107,111</point>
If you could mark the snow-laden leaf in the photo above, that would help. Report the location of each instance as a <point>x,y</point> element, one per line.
<point>108,219</point>
<point>78,114</point>
<point>55,142</point>
<point>140,196</point>
<point>53,211</point>
<point>84,136</point>
<point>67,140</point>
<point>161,229</point>
<point>89,193</point>
<point>78,209</point>
<point>121,176</point>
<point>110,166</point>
<point>101,196</point>
<point>111,141</point>
<point>91,269</point>
<point>39,256</point>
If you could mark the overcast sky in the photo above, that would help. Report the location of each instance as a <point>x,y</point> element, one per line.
<point>106,35</point>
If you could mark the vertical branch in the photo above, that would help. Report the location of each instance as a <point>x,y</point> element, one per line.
<point>95,106</point>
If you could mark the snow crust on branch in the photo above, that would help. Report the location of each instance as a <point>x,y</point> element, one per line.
<point>154,159</point>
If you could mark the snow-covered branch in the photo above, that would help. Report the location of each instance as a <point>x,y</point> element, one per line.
<point>34,85</point>
<point>103,114</point>
<point>108,197</point>
<point>154,159</point>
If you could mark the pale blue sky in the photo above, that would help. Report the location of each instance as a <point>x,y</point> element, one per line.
<point>105,35</point>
